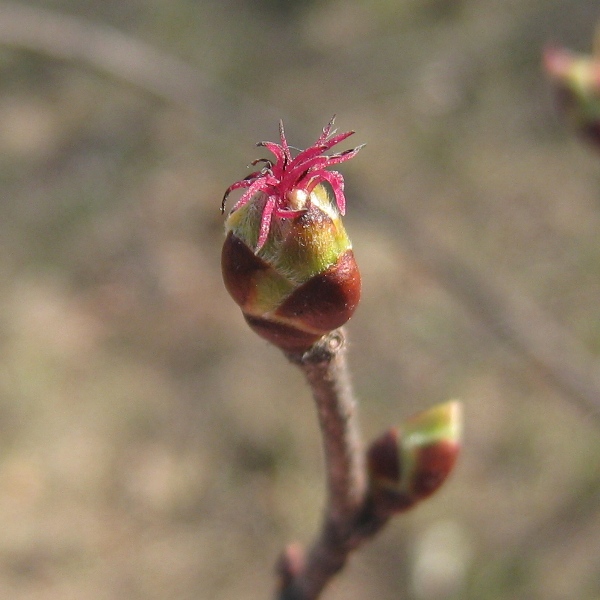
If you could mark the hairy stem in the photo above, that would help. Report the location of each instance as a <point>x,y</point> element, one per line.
<point>325,368</point>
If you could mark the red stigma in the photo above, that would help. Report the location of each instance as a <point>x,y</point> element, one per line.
<point>278,179</point>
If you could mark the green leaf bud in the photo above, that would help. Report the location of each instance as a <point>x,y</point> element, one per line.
<point>410,463</point>
<point>576,81</point>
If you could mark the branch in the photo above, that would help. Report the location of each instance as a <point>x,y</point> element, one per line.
<point>347,521</point>
<point>365,489</point>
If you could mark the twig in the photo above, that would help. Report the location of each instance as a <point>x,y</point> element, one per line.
<point>348,520</point>
<point>326,369</point>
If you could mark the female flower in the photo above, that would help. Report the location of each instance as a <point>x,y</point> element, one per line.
<point>287,260</point>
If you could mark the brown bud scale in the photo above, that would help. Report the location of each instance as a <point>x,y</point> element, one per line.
<point>286,337</point>
<point>240,266</point>
<point>314,308</point>
<point>433,465</point>
<point>326,301</point>
<point>382,457</point>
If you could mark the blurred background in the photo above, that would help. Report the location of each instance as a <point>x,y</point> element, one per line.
<point>151,446</point>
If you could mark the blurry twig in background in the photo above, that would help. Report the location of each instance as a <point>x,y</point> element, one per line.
<point>122,56</point>
<point>569,520</point>
<point>106,49</point>
<point>509,314</point>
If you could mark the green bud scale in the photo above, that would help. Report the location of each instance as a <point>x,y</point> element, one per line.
<point>287,260</point>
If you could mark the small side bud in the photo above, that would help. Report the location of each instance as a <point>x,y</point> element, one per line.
<point>287,260</point>
<point>576,82</point>
<point>409,464</point>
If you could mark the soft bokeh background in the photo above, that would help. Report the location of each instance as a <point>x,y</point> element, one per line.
<point>151,447</point>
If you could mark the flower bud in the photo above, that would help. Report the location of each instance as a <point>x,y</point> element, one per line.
<point>576,79</point>
<point>409,464</point>
<point>287,260</point>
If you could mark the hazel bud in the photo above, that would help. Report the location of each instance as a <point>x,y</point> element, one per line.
<point>287,260</point>
<point>576,80</point>
<point>409,464</point>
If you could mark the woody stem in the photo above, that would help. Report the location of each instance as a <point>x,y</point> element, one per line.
<point>325,368</point>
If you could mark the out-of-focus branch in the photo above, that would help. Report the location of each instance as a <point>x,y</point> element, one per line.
<point>106,49</point>
<point>121,56</point>
<point>508,313</point>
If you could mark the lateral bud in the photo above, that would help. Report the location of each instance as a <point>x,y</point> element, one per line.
<point>576,82</point>
<point>408,464</point>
